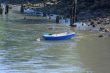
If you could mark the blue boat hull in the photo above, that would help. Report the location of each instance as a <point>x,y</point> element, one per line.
<point>66,37</point>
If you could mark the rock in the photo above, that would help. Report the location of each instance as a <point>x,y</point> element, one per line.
<point>100,36</point>
<point>107,30</point>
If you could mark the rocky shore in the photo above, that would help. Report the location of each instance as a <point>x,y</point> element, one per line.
<point>100,24</point>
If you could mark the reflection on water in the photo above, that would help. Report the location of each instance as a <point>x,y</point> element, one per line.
<point>21,53</point>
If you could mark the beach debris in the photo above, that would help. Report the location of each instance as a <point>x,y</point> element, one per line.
<point>38,39</point>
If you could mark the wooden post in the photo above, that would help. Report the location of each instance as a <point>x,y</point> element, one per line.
<point>73,13</point>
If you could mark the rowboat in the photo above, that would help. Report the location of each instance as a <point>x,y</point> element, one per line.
<point>59,36</point>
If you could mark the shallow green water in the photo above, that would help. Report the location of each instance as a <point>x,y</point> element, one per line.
<point>20,52</point>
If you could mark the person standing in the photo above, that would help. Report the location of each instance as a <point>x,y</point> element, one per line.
<point>7,9</point>
<point>57,19</point>
<point>22,8</point>
<point>1,10</point>
<point>3,6</point>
